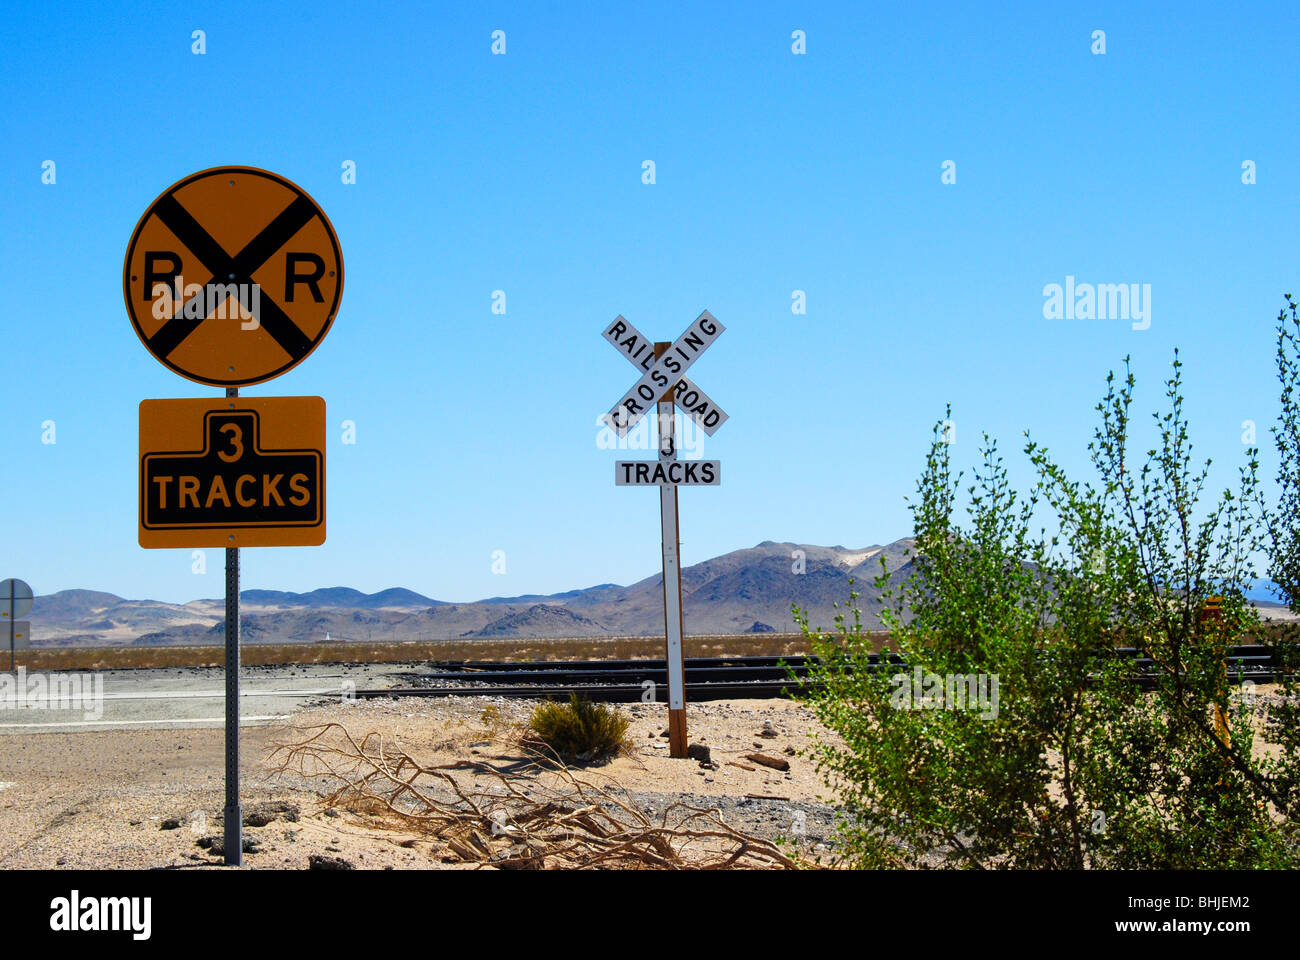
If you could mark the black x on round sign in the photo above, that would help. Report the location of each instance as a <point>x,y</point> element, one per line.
<point>232,276</point>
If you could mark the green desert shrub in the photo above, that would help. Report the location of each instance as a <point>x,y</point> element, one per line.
<point>1066,760</point>
<point>579,729</point>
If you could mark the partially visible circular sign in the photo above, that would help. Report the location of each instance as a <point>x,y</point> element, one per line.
<point>15,599</point>
<point>232,276</point>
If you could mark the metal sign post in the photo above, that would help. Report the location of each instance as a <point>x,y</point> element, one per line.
<point>663,385</point>
<point>234,817</point>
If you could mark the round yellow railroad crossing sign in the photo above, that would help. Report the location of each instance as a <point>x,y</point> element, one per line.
<point>233,275</point>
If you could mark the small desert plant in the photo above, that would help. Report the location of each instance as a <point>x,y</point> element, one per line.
<point>492,718</point>
<point>579,729</point>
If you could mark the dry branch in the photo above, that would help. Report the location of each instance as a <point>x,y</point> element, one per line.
<point>538,813</point>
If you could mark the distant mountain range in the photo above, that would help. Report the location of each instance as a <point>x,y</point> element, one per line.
<point>739,592</point>
<point>1265,593</point>
<point>745,591</point>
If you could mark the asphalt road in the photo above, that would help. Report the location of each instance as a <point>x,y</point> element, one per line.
<point>174,698</point>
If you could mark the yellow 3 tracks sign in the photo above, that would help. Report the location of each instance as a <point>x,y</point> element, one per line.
<point>238,472</point>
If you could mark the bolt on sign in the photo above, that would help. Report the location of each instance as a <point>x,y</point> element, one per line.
<point>232,276</point>
<point>242,472</point>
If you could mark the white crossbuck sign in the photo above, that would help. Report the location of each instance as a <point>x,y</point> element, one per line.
<point>663,374</point>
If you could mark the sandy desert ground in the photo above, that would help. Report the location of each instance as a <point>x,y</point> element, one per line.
<point>145,798</point>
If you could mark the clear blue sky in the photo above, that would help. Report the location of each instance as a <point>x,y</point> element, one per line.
<point>523,172</point>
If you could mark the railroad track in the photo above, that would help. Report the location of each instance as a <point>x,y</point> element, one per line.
<point>707,678</point>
